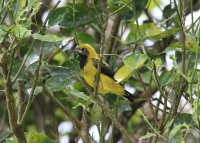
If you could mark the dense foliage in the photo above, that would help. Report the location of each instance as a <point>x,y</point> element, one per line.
<point>154,58</point>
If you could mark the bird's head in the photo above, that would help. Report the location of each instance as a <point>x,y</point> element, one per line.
<point>87,51</point>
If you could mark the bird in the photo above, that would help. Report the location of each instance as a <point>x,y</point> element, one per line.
<point>89,60</point>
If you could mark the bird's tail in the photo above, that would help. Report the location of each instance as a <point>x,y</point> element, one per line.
<point>130,96</point>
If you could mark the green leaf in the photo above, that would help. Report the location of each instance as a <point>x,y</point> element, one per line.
<point>20,32</point>
<point>35,137</point>
<point>135,35</point>
<point>196,112</point>
<point>184,118</point>
<point>79,94</point>
<point>148,135</point>
<point>177,67</point>
<point>165,78</point>
<point>84,38</point>
<point>57,16</point>
<point>116,101</point>
<point>174,137</point>
<point>135,60</point>
<point>81,15</point>
<point>157,33</point>
<point>123,74</point>
<point>124,107</point>
<point>37,90</point>
<point>5,134</point>
<point>57,82</point>
<point>47,37</point>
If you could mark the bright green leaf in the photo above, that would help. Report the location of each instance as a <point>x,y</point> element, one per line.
<point>35,137</point>
<point>47,37</point>
<point>123,74</point>
<point>148,135</point>
<point>20,32</point>
<point>135,35</point>
<point>135,60</point>
<point>157,33</point>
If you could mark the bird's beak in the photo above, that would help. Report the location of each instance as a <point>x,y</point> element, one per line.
<point>77,50</point>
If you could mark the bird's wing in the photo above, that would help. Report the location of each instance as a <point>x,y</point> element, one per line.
<point>105,69</point>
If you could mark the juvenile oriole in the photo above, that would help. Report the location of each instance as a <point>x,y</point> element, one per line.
<point>89,60</point>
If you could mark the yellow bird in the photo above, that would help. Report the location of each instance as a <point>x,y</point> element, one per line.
<point>89,60</point>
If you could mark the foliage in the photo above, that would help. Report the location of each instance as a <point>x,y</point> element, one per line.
<point>40,81</point>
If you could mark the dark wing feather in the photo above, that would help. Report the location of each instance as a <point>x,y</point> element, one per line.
<point>105,69</point>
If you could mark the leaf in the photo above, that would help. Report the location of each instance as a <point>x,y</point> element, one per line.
<point>123,74</point>
<point>148,135</point>
<point>57,16</point>
<point>177,67</point>
<point>47,37</point>
<point>57,82</point>
<point>20,32</point>
<point>184,118</point>
<point>81,15</point>
<point>135,60</point>
<point>5,134</point>
<point>86,38</point>
<point>134,36</point>
<point>35,137</point>
<point>173,135</point>
<point>37,90</point>
<point>116,101</point>
<point>124,107</point>
<point>165,78</point>
<point>79,94</point>
<point>157,33</point>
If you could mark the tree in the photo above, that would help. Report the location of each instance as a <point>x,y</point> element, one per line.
<point>41,85</point>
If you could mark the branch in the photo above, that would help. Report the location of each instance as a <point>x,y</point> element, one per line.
<point>111,39</point>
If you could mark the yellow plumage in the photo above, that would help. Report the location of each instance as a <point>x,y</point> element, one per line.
<point>88,63</point>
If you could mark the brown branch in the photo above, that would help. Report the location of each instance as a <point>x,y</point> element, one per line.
<point>21,99</point>
<point>18,130</point>
<point>111,39</point>
<point>148,98</point>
